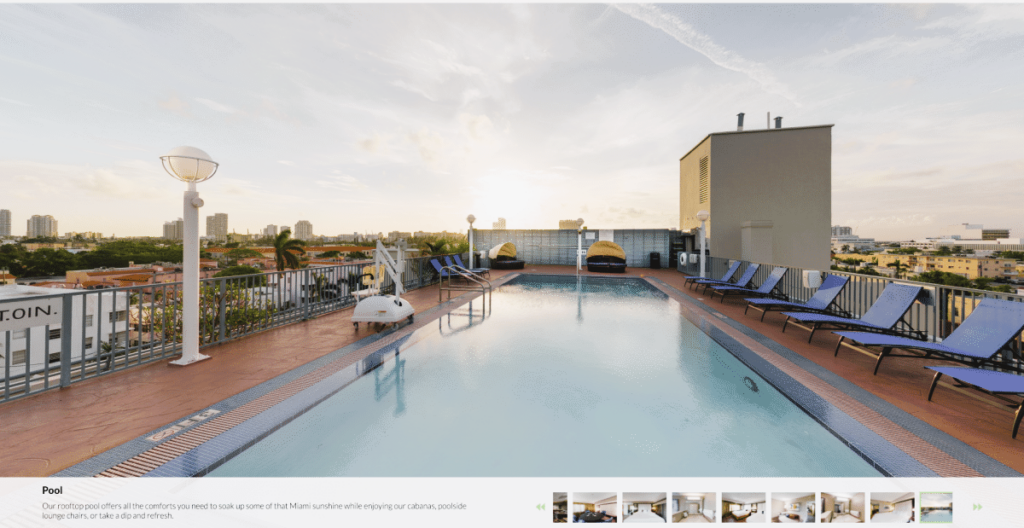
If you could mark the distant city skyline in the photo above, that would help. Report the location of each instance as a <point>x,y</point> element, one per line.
<point>377,118</point>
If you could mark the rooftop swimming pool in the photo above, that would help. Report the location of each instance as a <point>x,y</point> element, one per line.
<point>556,378</point>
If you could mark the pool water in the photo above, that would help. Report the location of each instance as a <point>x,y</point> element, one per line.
<point>599,378</point>
<point>937,516</point>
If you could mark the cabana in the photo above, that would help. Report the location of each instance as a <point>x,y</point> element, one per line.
<point>503,256</point>
<point>605,256</point>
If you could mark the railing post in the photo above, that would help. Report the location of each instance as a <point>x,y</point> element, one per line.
<point>304,288</point>
<point>65,339</point>
<point>222,309</point>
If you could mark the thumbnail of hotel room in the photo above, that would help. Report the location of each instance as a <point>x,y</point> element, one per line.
<point>643,507</point>
<point>560,507</point>
<point>842,507</point>
<point>893,507</point>
<point>796,507</point>
<point>595,506</point>
<point>743,507</point>
<point>694,507</point>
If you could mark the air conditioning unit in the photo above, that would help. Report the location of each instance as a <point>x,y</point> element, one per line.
<point>695,258</point>
<point>812,279</point>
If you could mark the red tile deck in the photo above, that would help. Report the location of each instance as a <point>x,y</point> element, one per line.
<point>49,432</point>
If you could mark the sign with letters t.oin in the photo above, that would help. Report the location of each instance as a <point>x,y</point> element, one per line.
<point>19,315</point>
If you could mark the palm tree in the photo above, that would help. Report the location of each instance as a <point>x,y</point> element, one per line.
<point>284,244</point>
<point>898,266</point>
<point>845,248</point>
<point>438,247</point>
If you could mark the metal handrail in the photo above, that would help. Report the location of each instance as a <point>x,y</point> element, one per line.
<point>463,273</point>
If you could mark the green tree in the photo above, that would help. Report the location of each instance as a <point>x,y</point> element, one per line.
<point>285,248</point>
<point>358,255</point>
<point>331,254</point>
<point>899,266</point>
<point>845,248</point>
<point>48,262</point>
<point>943,251</point>
<point>235,271</point>
<point>241,253</point>
<point>946,278</point>
<point>436,247</point>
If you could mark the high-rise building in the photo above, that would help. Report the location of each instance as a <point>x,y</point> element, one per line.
<point>42,226</point>
<point>5,222</point>
<point>303,230</point>
<point>838,231</point>
<point>174,230</point>
<point>270,230</point>
<point>500,224</point>
<point>217,226</point>
<point>787,220</point>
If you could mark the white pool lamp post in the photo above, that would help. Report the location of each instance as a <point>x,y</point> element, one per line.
<point>579,244</point>
<point>471,219</point>
<point>703,217</point>
<point>191,166</point>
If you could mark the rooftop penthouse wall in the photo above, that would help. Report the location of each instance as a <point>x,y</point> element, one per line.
<point>558,246</point>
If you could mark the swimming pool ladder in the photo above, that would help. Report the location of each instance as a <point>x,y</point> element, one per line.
<point>471,282</point>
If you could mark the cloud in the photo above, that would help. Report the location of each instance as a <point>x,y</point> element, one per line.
<point>476,127</point>
<point>216,107</point>
<point>13,102</point>
<point>701,43</point>
<point>406,86</point>
<point>375,144</point>
<point>174,104</point>
<point>341,183</point>
<point>429,144</point>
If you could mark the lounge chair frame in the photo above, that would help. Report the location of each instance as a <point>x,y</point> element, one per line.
<point>776,275</point>
<point>1018,414</point>
<point>832,308</point>
<point>902,327</point>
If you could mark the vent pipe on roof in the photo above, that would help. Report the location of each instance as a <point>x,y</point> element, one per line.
<point>778,122</point>
<point>739,123</point>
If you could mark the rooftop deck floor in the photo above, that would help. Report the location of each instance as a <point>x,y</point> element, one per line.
<point>49,432</point>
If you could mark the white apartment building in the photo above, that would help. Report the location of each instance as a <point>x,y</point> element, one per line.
<point>174,230</point>
<point>41,226</point>
<point>217,226</point>
<point>5,222</point>
<point>838,230</point>
<point>103,318</point>
<point>269,231</point>
<point>303,230</point>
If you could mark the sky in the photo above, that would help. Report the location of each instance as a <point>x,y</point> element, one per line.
<point>373,118</point>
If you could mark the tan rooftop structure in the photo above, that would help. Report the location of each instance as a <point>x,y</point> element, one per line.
<point>769,193</point>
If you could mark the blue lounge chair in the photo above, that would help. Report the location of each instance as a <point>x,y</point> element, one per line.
<point>990,381</point>
<point>990,328</point>
<point>823,301</point>
<point>882,317</point>
<point>767,288</point>
<point>742,282</point>
<point>444,272</point>
<point>475,271</point>
<point>725,278</point>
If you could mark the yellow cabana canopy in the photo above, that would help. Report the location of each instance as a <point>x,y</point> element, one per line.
<point>507,249</point>
<point>604,248</point>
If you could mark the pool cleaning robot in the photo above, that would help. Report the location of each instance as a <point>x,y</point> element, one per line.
<point>371,306</point>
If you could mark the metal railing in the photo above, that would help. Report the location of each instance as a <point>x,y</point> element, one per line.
<point>109,330</point>
<point>467,281</point>
<point>936,314</point>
